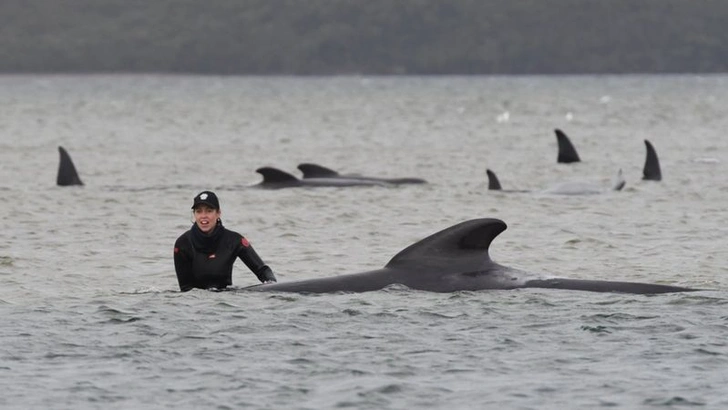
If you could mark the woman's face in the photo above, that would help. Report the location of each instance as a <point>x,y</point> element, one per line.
<point>206,218</point>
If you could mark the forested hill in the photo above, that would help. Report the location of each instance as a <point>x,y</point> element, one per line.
<point>364,36</point>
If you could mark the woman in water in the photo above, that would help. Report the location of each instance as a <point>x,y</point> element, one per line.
<point>205,254</point>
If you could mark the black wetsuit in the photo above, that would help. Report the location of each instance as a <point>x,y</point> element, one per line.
<point>206,261</point>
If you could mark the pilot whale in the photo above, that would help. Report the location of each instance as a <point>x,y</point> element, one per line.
<point>456,259</point>
<point>274,178</point>
<point>564,188</point>
<point>311,170</point>
<point>651,171</point>
<point>567,152</point>
<point>67,174</point>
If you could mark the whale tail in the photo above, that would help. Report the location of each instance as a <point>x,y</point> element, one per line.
<point>310,170</point>
<point>67,174</point>
<point>606,286</point>
<point>651,171</point>
<point>493,183</point>
<point>567,152</point>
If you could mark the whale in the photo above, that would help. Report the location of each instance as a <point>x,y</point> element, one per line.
<point>567,152</point>
<point>563,188</point>
<point>456,259</point>
<point>495,185</point>
<point>311,170</point>
<point>651,170</point>
<point>67,174</point>
<point>274,178</point>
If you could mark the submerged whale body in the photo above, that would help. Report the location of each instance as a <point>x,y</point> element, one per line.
<point>310,170</point>
<point>456,259</point>
<point>67,174</point>
<point>274,178</point>
<point>567,152</point>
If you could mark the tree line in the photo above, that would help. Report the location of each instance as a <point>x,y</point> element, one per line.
<point>371,37</point>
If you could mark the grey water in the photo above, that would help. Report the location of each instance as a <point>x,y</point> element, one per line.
<point>91,315</point>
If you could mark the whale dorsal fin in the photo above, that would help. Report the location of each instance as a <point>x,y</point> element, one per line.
<point>618,182</point>
<point>464,245</point>
<point>651,171</point>
<point>275,175</point>
<point>67,174</point>
<point>493,183</point>
<point>567,152</point>
<point>316,171</point>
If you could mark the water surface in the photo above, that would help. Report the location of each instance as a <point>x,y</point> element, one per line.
<point>91,313</point>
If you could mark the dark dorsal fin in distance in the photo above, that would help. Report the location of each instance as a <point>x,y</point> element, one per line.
<point>618,182</point>
<point>67,174</point>
<point>651,171</point>
<point>316,171</point>
<point>493,183</point>
<point>466,242</point>
<point>275,175</point>
<point>567,152</point>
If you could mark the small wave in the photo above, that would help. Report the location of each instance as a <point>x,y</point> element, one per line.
<point>595,329</point>
<point>389,389</point>
<point>285,298</point>
<point>706,160</point>
<point>619,317</point>
<point>301,361</point>
<point>699,299</point>
<point>143,291</point>
<point>439,315</point>
<point>708,352</point>
<point>397,287</point>
<point>117,316</point>
<point>673,401</point>
<point>352,312</point>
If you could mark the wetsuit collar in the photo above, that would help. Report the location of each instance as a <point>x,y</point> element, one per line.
<point>206,243</point>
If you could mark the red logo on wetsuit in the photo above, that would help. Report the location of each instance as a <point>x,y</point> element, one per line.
<point>212,256</point>
<point>176,249</point>
<point>245,242</point>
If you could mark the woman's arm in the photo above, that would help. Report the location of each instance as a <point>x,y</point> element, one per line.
<point>183,265</point>
<point>254,262</point>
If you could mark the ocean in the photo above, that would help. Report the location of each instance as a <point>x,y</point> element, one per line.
<point>92,317</point>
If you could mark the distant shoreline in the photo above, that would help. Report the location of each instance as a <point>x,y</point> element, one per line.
<point>357,37</point>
